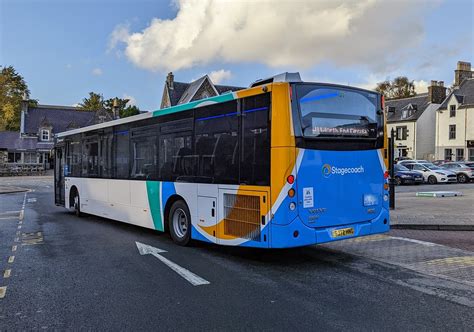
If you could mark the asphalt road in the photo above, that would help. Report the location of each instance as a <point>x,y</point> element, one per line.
<point>86,273</point>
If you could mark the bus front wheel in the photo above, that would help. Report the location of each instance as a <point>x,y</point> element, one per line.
<point>77,204</point>
<point>179,222</point>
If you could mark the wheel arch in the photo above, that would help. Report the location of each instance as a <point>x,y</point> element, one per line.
<point>72,193</point>
<point>169,203</point>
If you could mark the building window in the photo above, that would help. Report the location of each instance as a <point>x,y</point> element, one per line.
<point>448,154</point>
<point>452,111</point>
<point>471,154</point>
<point>29,158</point>
<point>14,157</point>
<point>459,154</point>
<point>45,135</point>
<point>402,133</point>
<point>452,131</point>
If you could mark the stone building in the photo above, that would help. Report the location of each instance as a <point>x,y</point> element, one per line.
<point>414,120</point>
<point>175,93</point>
<point>34,142</point>
<point>455,118</point>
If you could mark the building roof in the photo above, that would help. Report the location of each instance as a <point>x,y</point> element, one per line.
<point>464,95</point>
<point>407,109</point>
<point>11,140</point>
<point>184,92</point>
<point>60,118</point>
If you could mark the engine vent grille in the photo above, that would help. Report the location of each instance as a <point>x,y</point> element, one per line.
<point>242,216</point>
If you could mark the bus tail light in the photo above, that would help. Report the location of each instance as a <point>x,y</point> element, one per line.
<point>290,179</point>
<point>382,102</point>
<point>386,174</point>
<point>291,192</point>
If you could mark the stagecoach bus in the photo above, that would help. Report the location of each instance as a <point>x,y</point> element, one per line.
<point>283,163</point>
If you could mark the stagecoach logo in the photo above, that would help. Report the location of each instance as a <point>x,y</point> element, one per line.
<point>327,170</point>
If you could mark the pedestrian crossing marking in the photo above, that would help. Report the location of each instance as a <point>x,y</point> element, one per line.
<point>3,291</point>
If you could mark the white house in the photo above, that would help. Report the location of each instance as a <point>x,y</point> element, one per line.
<point>414,120</point>
<point>455,118</point>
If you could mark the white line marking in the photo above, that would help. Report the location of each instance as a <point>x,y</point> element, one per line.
<point>428,244</point>
<point>194,279</point>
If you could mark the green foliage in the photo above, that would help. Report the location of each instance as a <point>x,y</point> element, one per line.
<point>13,89</point>
<point>399,87</point>
<point>96,101</point>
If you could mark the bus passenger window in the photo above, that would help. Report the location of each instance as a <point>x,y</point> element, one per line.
<point>216,143</point>
<point>144,158</point>
<point>121,136</point>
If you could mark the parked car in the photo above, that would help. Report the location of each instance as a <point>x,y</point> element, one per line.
<point>397,160</point>
<point>463,172</point>
<point>432,173</point>
<point>469,164</point>
<point>404,176</point>
<point>403,162</point>
<point>439,162</point>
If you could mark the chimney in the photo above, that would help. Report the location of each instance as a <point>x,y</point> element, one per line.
<point>462,72</point>
<point>170,81</point>
<point>115,109</point>
<point>436,92</point>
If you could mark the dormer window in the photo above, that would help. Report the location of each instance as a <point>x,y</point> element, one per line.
<point>45,134</point>
<point>404,114</point>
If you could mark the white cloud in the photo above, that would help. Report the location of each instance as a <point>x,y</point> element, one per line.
<point>97,72</point>
<point>421,86</point>
<point>376,33</point>
<point>218,76</point>
<point>132,101</point>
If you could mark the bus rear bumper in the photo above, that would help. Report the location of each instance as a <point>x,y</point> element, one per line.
<point>296,234</point>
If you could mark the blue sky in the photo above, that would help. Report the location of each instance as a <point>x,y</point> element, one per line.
<point>65,49</point>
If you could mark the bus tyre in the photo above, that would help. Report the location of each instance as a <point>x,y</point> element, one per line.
<point>179,223</point>
<point>432,179</point>
<point>77,204</point>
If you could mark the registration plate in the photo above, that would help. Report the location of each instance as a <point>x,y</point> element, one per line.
<point>343,232</point>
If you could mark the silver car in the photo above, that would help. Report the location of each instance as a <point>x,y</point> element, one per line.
<point>463,172</point>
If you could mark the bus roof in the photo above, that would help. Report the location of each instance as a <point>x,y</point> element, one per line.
<point>178,108</point>
<point>187,106</point>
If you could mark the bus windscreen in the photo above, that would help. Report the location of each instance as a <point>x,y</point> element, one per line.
<point>328,112</point>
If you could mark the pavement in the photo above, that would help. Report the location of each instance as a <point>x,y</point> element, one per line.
<point>433,213</point>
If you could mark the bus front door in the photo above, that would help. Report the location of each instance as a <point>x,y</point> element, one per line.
<point>59,191</point>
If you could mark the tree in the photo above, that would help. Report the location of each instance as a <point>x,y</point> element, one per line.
<point>95,102</point>
<point>399,87</point>
<point>13,89</point>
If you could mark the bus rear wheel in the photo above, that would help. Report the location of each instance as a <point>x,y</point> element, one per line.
<point>179,223</point>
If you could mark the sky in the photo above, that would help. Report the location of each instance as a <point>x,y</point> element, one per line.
<point>67,48</point>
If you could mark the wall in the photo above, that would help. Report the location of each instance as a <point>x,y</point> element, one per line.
<point>443,121</point>
<point>425,133</point>
<point>409,142</point>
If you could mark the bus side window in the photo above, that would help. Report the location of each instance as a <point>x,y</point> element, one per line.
<point>216,142</point>
<point>121,152</point>
<point>74,156</point>
<point>255,160</point>
<point>144,158</point>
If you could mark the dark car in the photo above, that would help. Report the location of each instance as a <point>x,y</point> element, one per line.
<point>404,176</point>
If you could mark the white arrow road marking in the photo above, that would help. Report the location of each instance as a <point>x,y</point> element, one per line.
<point>194,279</point>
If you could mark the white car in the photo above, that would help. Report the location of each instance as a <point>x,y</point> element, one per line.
<point>411,161</point>
<point>432,173</point>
